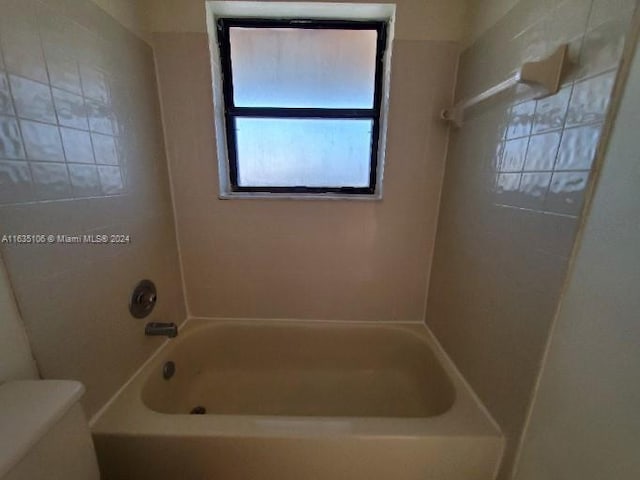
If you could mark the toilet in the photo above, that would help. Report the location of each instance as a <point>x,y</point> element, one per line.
<point>44,433</point>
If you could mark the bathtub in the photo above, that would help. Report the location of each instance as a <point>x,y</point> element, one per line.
<point>292,400</point>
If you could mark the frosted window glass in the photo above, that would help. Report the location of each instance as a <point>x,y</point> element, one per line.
<point>303,152</point>
<point>303,68</point>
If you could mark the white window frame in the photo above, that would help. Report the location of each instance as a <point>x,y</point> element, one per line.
<point>292,10</point>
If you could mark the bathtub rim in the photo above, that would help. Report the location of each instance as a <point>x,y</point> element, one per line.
<point>126,413</point>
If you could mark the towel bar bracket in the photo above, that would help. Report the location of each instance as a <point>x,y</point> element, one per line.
<point>546,74</point>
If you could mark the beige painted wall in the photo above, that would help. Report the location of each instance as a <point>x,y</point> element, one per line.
<point>16,361</point>
<point>82,152</point>
<point>513,191</point>
<point>317,259</point>
<point>416,19</point>
<point>585,422</point>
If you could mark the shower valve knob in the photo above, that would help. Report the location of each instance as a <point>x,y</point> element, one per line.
<point>143,299</point>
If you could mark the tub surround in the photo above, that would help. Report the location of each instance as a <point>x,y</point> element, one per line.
<point>588,391</point>
<point>449,434</point>
<point>130,14</point>
<point>481,15</point>
<point>316,259</point>
<point>512,197</point>
<point>82,152</point>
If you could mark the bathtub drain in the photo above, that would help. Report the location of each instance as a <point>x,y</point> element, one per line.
<point>199,410</point>
<point>168,370</point>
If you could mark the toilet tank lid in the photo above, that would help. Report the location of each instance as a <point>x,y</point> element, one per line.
<point>28,410</point>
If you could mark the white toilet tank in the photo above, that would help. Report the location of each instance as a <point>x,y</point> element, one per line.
<point>44,433</point>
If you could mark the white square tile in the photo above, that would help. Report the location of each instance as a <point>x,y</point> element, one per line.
<point>111,180</point>
<point>566,192</point>
<point>6,105</point>
<point>495,160</point>
<point>100,117</point>
<point>551,111</point>
<point>15,182</point>
<point>56,32</point>
<point>41,141</point>
<point>513,155</point>
<point>70,109</point>
<point>85,180</point>
<point>50,180</point>
<point>32,99</point>
<point>542,151</point>
<point>533,189</point>
<point>87,46</point>
<point>21,46</point>
<point>590,100</point>
<point>602,48</point>
<point>508,182</point>
<point>10,140</point>
<point>521,119</point>
<point>95,84</point>
<point>507,186</point>
<point>77,145</point>
<point>63,72</point>
<point>606,10</point>
<point>578,148</point>
<point>104,147</point>
<point>567,21</point>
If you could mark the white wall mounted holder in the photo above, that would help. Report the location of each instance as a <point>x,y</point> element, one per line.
<point>545,73</point>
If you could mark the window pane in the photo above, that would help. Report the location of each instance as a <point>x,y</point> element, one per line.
<point>308,152</point>
<point>293,67</point>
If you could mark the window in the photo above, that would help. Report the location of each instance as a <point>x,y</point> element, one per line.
<point>302,104</point>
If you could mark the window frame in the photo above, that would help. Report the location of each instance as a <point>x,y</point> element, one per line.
<point>231,112</point>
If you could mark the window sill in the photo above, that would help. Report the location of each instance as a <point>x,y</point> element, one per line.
<point>297,196</point>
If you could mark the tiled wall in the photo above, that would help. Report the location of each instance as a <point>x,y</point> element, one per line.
<point>60,136</point>
<point>313,259</point>
<point>130,13</point>
<point>514,188</point>
<point>584,423</point>
<point>81,152</point>
<point>482,15</point>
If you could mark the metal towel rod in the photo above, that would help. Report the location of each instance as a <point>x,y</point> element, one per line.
<point>544,73</point>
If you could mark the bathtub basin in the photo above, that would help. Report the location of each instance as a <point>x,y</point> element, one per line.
<point>297,400</point>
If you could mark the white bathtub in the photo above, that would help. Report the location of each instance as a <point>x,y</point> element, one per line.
<point>298,401</point>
